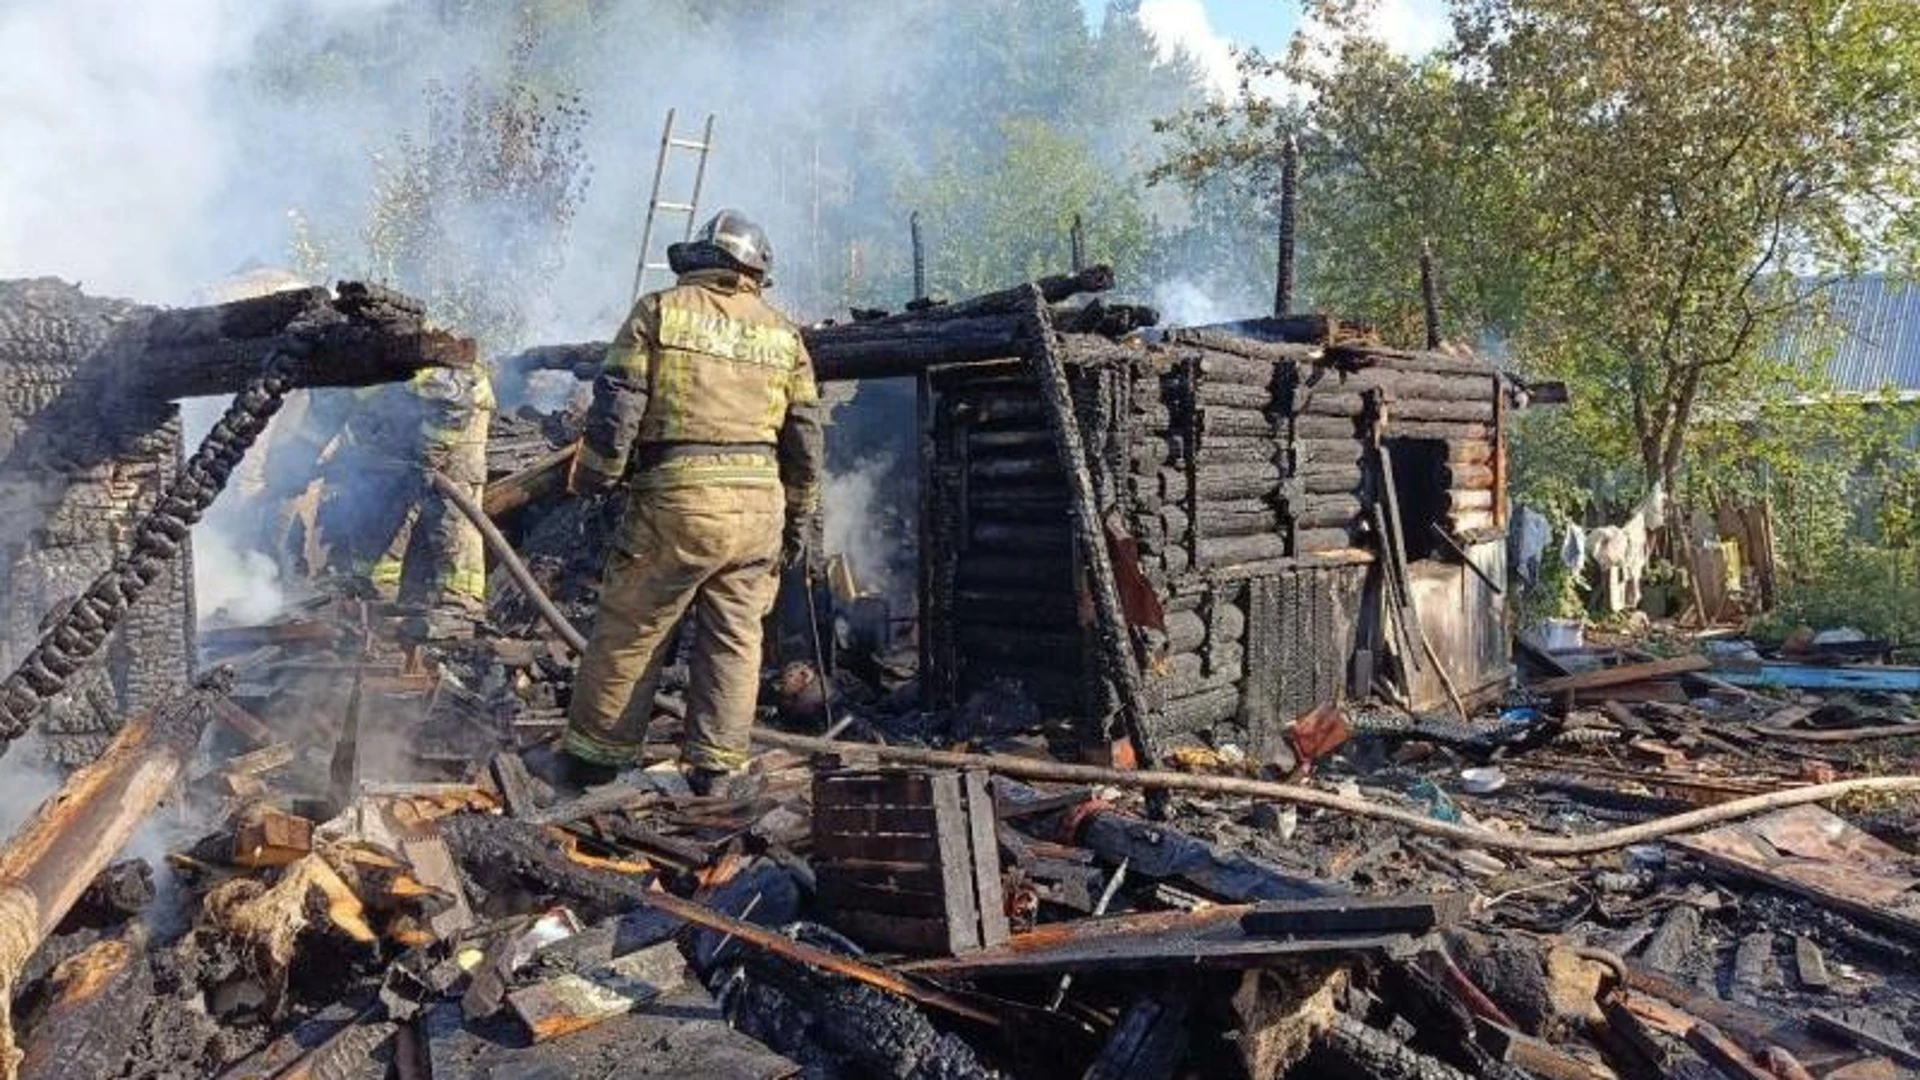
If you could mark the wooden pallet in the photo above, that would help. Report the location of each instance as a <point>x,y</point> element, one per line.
<point>907,860</point>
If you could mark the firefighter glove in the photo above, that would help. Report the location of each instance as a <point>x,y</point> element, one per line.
<point>793,540</point>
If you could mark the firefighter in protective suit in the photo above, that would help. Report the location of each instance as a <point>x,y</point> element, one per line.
<point>398,538</point>
<point>706,408</point>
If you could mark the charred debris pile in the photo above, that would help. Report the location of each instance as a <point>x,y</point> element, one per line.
<point>1195,752</point>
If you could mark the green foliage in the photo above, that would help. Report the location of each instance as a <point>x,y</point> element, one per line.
<point>1618,192</point>
<point>1876,590</point>
<point>1012,221</point>
<point>471,212</point>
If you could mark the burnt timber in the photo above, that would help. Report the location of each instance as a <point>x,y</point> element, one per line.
<point>1231,467</point>
<point>90,438</point>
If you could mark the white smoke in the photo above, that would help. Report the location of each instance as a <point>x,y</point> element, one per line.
<point>1186,302</point>
<point>1183,27</point>
<point>116,147</point>
<point>850,519</point>
<point>232,585</point>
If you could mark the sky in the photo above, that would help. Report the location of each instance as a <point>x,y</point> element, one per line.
<point>1210,29</point>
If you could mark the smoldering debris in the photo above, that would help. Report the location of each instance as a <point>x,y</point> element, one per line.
<point>1622,866</point>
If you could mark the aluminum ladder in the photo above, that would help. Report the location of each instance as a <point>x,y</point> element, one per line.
<point>670,142</point>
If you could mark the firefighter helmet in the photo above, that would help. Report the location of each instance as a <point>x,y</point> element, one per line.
<point>729,237</point>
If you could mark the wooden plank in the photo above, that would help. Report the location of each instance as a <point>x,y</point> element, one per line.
<point>956,866</point>
<point>515,783</point>
<point>881,873</point>
<point>985,859</point>
<point>901,820</point>
<point>1634,693</point>
<point>838,891</point>
<point>1415,914</point>
<point>574,1002</point>
<point>433,865</point>
<point>901,788</point>
<point>1829,1024</point>
<point>885,847</point>
<point>895,933</point>
<point>1622,674</point>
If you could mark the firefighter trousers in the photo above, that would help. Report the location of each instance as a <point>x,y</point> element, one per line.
<point>715,550</point>
<point>414,545</point>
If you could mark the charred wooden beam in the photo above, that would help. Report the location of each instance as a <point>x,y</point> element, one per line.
<point>1116,644</point>
<point>356,335</point>
<point>987,327</point>
<point>98,999</point>
<point>72,837</point>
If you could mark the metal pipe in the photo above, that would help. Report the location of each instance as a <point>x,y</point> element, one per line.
<point>1465,835</point>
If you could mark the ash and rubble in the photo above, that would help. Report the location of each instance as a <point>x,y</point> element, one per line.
<point>380,880</point>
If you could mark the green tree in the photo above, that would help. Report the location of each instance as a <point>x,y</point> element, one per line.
<point>1012,221</point>
<point>1621,192</point>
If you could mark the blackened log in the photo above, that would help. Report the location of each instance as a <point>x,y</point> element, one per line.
<point>1003,469</point>
<point>1267,352</point>
<point>1324,511</point>
<point>1343,450</point>
<point>1474,452</point>
<point>1014,443</point>
<point>986,570</point>
<point>1010,409</point>
<point>1311,541</point>
<point>1191,669</point>
<point>1434,429</point>
<point>1234,395</point>
<point>1201,711</point>
<point>1018,505</point>
<point>1228,368</point>
<point>360,336</point>
<point>1016,642</point>
<point>1374,356</point>
<point>1013,535</point>
<point>117,894</point>
<point>1351,1048</point>
<point>1186,631</point>
<point>1220,420</point>
<point>1185,688</point>
<point>908,351</point>
<point>1332,428</point>
<point>1400,385</point>
<point>1223,523</point>
<point>1025,608</point>
<point>1321,479</point>
<point>1479,410</point>
<point>1156,851</point>
<point>1228,450</point>
<point>1247,480</point>
<point>1148,1043</point>
<point>1240,549</point>
<point>1148,454</point>
<point>99,999</point>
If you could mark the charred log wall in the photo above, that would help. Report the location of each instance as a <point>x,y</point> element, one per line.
<point>1240,467</point>
<point>69,499</point>
<point>90,438</point>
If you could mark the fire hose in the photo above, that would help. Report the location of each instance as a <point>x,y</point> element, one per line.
<point>77,633</point>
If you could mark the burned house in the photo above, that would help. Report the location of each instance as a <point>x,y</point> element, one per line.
<point>1235,476</point>
<point>1240,462</point>
<point>91,462</point>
